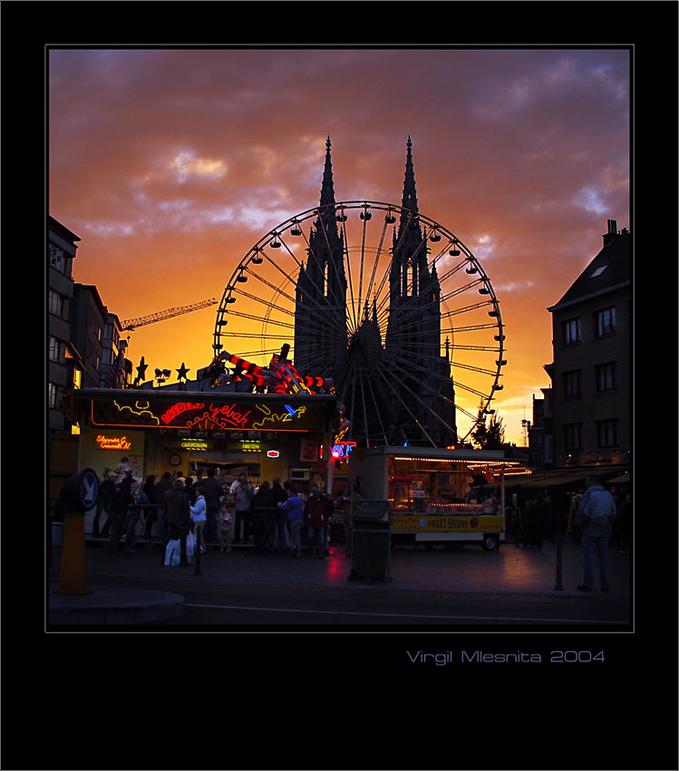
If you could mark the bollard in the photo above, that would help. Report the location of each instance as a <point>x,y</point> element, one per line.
<point>558,586</point>
<point>72,572</point>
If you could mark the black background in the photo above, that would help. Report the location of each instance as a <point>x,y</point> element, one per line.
<point>203,701</point>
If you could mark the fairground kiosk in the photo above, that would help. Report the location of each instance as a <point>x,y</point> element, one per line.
<point>261,435</point>
<point>436,495</point>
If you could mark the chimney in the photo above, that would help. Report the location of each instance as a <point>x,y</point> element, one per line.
<point>612,232</point>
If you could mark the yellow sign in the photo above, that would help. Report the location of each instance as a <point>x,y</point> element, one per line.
<point>194,444</point>
<point>422,523</point>
<point>249,446</point>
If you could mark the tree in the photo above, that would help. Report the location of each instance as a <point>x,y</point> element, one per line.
<point>491,436</point>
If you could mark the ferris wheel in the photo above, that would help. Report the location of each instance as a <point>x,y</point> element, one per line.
<point>383,302</point>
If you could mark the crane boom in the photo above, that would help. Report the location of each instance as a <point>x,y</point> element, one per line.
<point>142,321</point>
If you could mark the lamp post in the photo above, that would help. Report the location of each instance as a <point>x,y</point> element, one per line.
<point>558,587</point>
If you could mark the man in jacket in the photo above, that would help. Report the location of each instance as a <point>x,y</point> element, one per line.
<point>317,512</point>
<point>596,512</point>
<point>212,491</point>
<point>294,508</point>
<point>177,517</point>
<point>243,493</point>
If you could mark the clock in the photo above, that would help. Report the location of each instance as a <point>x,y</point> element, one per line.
<point>175,459</point>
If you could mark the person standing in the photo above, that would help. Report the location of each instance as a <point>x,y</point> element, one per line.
<point>199,517</point>
<point>107,491</point>
<point>162,487</point>
<point>596,512</point>
<point>294,508</point>
<point>212,491</point>
<point>118,513</point>
<point>536,523</point>
<point>317,515</point>
<point>280,519</point>
<point>177,517</point>
<point>151,515</point>
<point>225,515</point>
<point>262,504</point>
<point>243,493</point>
<point>138,499</point>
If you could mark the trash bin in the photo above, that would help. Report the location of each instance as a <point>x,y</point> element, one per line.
<point>371,541</point>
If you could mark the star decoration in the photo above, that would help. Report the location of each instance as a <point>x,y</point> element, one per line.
<point>182,371</point>
<point>141,370</point>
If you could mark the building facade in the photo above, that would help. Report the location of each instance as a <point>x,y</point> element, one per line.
<point>591,373</point>
<point>87,331</point>
<point>61,251</point>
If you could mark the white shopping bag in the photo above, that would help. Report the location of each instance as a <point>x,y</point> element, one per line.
<point>190,545</point>
<point>173,552</point>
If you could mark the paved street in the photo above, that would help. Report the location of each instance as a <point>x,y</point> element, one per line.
<point>438,588</point>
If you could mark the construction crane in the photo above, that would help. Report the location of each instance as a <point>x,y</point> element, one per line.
<point>141,321</point>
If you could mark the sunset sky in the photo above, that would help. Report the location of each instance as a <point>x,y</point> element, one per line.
<point>169,165</point>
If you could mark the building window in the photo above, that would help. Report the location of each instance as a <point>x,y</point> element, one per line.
<point>55,303</point>
<point>53,395</point>
<point>57,258</point>
<point>99,333</point>
<point>54,349</point>
<point>607,433</point>
<point>605,376</point>
<point>77,378</point>
<point>605,322</point>
<point>572,436</point>
<point>571,384</point>
<point>571,332</point>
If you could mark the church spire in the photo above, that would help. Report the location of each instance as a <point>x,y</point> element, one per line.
<point>327,189</point>
<point>409,191</point>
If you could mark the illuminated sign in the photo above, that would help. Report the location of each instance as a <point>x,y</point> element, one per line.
<point>194,444</point>
<point>113,442</point>
<point>342,450</point>
<point>249,446</point>
<point>233,415</point>
<point>273,454</point>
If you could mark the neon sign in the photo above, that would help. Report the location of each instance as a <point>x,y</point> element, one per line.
<point>199,445</point>
<point>232,414</point>
<point>342,450</point>
<point>273,454</point>
<point>177,409</point>
<point>113,442</point>
<point>141,410</point>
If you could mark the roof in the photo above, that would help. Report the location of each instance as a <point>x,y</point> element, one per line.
<point>62,230</point>
<point>95,292</point>
<point>615,258</point>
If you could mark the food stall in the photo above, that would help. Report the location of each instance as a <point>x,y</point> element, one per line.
<point>437,495</point>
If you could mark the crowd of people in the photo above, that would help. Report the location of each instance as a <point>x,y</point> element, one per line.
<point>275,516</point>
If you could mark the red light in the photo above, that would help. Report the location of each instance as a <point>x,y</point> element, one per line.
<point>273,454</point>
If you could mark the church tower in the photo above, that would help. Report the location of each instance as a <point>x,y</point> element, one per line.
<point>320,312</point>
<point>414,327</point>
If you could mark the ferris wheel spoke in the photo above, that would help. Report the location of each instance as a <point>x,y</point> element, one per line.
<point>378,254</point>
<point>427,408</point>
<point>262,301</point>
<point>378,412</point>
<point>365,409</point>
<point>319,289</point>
<point>277,289</point>
<point>474,418</point>
<point>396,394</point>
<point>360,280</point>
<point>395,251</point>
<point>347,257</point>
<point>469,328</point>
<point>242,315</point>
